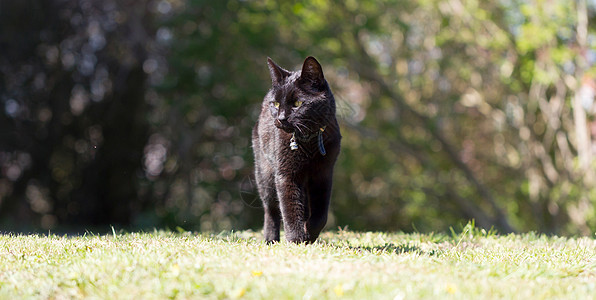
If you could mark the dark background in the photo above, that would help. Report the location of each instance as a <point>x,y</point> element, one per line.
<point>138,114</point>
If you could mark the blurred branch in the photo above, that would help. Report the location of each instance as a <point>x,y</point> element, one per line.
<point>367,71</point>
<point>579,114</point>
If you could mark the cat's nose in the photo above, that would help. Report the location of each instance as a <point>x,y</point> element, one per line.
<point>282,115</point>
<point>284,125</point>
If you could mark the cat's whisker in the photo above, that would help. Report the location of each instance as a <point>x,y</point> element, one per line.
<point>299,125</point>
<point>311,122</point>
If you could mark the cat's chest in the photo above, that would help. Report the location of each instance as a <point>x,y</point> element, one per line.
<point>283,151</point>
<point>289,149</point>
<point>300,154</point>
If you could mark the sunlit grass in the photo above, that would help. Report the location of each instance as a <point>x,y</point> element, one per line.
<point>374,265</point>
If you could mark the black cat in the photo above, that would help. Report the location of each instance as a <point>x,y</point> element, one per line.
<point>296,142</point>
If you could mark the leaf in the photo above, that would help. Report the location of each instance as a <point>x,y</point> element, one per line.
<point>339,290</point>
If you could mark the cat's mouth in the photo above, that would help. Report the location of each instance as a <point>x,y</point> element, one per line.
<point>284,125</point>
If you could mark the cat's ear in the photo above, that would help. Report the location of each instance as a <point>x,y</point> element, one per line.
<point>278,74</point>
<point>312,74</point>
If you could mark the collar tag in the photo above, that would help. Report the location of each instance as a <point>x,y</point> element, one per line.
<point>293,144</point>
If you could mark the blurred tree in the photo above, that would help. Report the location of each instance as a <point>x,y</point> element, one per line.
<point>74,113</point>
<point>206,108</point>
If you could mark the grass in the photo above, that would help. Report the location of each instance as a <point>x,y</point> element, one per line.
<point>473,264</point>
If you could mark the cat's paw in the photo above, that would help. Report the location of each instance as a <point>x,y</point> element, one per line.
<point>271,242</point>
<point>299,238</point>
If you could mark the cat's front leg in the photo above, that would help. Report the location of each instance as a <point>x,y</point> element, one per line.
<point>266,185</point>
<point>272,222</point>
<point>292,200</point>
<point>320,193</point>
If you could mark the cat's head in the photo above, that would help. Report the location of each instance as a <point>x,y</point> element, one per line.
<point>300,101</point>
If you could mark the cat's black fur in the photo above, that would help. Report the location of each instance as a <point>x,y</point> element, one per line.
<point>295,185</point>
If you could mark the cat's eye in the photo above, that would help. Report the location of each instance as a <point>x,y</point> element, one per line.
<point>298,103</point>
<point>276,104</point>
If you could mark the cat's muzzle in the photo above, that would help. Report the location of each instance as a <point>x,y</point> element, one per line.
<point>284,125</point>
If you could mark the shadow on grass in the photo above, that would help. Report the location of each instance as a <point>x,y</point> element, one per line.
<point>392,248</point>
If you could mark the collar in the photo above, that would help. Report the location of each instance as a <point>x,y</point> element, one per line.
<point>319,134</point>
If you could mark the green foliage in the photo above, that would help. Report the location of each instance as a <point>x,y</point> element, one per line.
<point>450,111</point>
<point>434,100</point>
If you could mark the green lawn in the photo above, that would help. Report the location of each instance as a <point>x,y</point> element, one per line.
<point>373,265</point>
